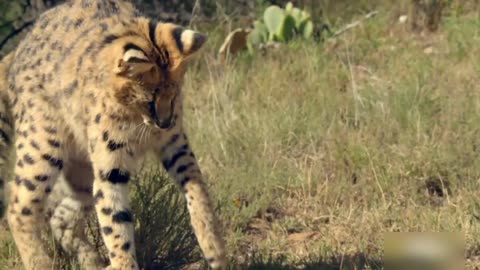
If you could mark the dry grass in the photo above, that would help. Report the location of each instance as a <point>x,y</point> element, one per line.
<point>338,143</point>
<point>314,151</point>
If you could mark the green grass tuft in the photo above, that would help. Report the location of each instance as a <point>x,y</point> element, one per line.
<point>164,238</point>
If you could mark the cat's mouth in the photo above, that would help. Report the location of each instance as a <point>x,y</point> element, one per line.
<point>160,113</point>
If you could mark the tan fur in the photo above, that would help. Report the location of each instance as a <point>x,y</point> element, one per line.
<point>6,131</point>
<point>87,106</point>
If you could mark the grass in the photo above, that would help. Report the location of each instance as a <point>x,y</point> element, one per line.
<point>314,151</point>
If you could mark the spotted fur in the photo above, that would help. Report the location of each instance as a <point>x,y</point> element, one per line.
<point>91,89</point>
<point>6,132</point>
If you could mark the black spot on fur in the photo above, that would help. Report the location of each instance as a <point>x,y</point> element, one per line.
<point>98,117</point>
<point>113,146</point>
<point>23,133</point>
<point>55,46</point>
<point>70,89</point>
<point>78,22</point>
<point>107,211</point>
<point>5,118</point>
<point>41,178</point>
<point>28,159</point>
<point>122,217</point>
<point>105,136</point>
<point>184,168</point>
<point>54,143</point>
<point>86,3</point>
<point>35,145</point>
<point>26,211</point>
<point>4,136</point>
<point>110,39</point>
<point>98,196</point>
<point>184,181</point>
<point>54,162</point>
<point>44,24</point>
<point>168,164</point>
<point>103,26</point>
<point>113,7</point>
<point>33,129</point>
<point>172,141</point>
<point>18,181</point>
<point>36,200</point>
<point>126,246</point>
<point>29,185</point>
<point>183,147</point>
<point>115,176</point>
<point>107,230</point>
<point>48,189</point>
<point>50,130</point>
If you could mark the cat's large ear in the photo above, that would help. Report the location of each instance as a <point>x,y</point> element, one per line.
<point>179,42</point>
<point>188,41</point>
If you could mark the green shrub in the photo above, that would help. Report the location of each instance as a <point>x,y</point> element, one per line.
<point>164,238</point>
<point>281,25</point>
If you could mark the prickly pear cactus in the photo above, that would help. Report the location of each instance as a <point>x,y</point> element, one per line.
<point>281,25</point>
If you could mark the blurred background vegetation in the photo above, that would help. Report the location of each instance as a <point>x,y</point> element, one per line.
<point>17,16</point>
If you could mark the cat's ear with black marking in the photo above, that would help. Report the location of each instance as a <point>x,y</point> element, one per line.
<point>188,41</point>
